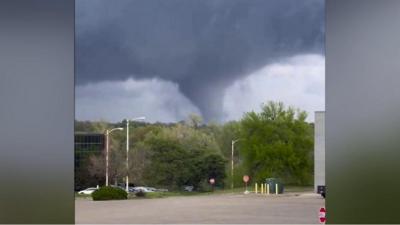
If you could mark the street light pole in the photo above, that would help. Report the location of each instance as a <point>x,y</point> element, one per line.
<point>127,149</point>
<point>233,149</point>
<point>107,147</point>
<point>127,156</point>
<point>107,133</point>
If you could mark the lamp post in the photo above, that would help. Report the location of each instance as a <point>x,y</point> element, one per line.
<point>127,148</point>
<point>108,132</point>
<point>233,149</point>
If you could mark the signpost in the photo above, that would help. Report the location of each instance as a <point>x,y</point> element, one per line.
<point>322,215</point>
<point>212,182</point>
<point>246,179</point>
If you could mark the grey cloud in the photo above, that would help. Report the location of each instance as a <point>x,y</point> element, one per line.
<point>157,100</point>
<point>202,45</point>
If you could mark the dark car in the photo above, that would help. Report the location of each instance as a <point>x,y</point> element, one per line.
<point>321,189</point>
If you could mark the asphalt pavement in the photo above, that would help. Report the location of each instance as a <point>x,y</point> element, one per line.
<point>293,208</point>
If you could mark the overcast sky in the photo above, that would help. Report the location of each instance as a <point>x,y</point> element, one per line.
<point>217,58</point>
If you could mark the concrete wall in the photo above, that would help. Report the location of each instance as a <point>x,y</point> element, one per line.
<point>319,149</point>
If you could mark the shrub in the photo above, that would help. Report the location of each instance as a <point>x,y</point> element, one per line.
<point>140,194</point>
<point>109,193</point>
<point>204,186</point>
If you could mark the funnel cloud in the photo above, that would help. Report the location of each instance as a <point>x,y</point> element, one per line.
<point>202,46</point>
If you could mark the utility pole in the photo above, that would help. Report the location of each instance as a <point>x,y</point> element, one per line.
<point>233,150</point>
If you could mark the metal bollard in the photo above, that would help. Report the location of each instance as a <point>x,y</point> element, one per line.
<point>267,189</point>
<point>255,189</point>
<point>276,188</point>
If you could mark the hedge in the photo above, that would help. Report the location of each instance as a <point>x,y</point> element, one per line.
<point>109,193</point>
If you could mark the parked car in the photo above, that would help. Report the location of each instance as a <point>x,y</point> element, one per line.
<point>87,191</point>
<point>321,189</point>
<point>188,188</point>
<point>151,189</point>
<point>142,189</point>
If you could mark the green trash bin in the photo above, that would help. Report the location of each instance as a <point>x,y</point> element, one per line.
<point>272,185</point>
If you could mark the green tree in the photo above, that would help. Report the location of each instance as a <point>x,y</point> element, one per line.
<point>182,155</point>
<point>224,134</point>
<point>169,164</point>
<point>194,120</point>
<point>213,166</point>
<point>278,142</point>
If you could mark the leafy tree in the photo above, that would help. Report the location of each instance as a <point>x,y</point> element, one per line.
<point>213,166</point>
<point>182,155</point>
<point>169,164</point>
<point>278,142</point>
<point>194,120</point>
<point>224,134</point>
<point>96,167</point>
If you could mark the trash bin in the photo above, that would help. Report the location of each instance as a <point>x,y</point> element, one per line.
<point>272,184</point>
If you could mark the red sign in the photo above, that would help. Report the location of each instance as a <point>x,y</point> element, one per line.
<point>322,215</point>
<point>246,178</point>
<point>212,181</point>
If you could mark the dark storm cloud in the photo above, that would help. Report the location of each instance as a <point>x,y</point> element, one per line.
<point>203,45</point>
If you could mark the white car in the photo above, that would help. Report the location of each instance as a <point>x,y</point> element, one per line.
<point>87,191</point>
<point>188,188</point>
<point>143,189</point>
<point>151,189</point>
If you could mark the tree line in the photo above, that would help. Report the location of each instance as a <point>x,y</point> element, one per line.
<point>275,142</point>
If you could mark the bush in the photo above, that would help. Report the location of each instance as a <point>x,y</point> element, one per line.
<point>109,193</point>
<point>140,194</point>
<point>204,186</point>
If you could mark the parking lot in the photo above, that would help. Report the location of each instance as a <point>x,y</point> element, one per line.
<point>217,208</point>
